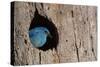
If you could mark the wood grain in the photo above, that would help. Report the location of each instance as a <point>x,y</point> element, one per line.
<point>77,29</point>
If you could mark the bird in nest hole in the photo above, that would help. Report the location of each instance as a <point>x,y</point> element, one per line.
<point>38,36</point>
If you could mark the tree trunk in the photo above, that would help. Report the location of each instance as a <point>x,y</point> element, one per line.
<point>76,26</point>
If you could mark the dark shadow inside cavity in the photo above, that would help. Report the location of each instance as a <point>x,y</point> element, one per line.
<point>38,21</point>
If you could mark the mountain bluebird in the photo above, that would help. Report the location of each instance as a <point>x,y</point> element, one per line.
<point>38,36</point>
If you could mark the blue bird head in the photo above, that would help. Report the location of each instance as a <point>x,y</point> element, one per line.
<point>38,36</point>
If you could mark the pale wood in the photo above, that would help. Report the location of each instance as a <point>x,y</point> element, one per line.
<point>77,29</point>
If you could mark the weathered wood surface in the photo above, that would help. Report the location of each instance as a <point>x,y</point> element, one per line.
<point>76,28</point>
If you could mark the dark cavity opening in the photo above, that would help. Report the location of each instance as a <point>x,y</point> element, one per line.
<point>38,21</point>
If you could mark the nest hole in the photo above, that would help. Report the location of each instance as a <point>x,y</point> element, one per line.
<point>38,21</point>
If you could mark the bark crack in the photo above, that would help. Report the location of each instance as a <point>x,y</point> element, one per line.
<point>91,41</point>
<point>91,38</point>
<point>57,55</point>
<point>39,57</point>
<point>77,50</point>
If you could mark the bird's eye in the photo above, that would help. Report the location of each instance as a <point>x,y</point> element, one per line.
<point>46,32</point>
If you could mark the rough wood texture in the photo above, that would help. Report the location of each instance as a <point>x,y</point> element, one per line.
<point>76,27</point>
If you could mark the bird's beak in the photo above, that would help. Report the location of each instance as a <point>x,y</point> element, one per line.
<point>49,35</point>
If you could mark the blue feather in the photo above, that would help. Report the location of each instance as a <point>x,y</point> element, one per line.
<point>38,36</point>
